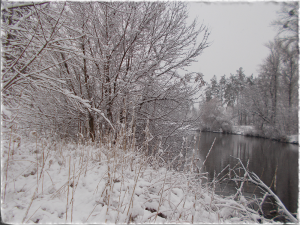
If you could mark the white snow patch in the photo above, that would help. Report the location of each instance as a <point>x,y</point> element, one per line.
<point>99,192</point>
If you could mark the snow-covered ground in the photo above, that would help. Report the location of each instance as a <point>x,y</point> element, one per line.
<point>242,129</point>
<point>53,182</point>
<point>293,138</point>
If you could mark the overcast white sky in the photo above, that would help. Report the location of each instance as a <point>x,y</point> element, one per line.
<point>238,34</point>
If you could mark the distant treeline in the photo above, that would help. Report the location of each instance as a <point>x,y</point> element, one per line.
<point>269,101</point>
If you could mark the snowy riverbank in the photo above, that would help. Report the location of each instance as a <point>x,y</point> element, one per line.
<point>242,130</point>
<point>54,182</point>
<point>251,131</point>
<point>293,139</point>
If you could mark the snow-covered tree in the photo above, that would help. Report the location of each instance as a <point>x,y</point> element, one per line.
<point>98,62</point>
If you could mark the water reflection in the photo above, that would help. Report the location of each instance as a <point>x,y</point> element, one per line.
<point>266,158</point>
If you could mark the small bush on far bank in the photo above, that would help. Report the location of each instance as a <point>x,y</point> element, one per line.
<point>273,133</point>
<point>226,127</point>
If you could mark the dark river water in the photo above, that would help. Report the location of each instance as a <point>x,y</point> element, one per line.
<point>274,162</point>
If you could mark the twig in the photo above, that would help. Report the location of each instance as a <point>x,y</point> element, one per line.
<point>208,154</point>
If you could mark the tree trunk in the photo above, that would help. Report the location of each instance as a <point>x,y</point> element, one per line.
<point>274,105</point>
<point>91,127</point>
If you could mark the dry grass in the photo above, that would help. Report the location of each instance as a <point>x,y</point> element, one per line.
<point>124,187</point>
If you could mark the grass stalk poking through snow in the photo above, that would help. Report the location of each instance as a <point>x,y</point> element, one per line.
<point>208,153</point>
<point>133,192</point>
<point>67,206</point>
<point>119,186</point>
<point>109,183</point>
<point>73,190</point>
<point>7,163</point>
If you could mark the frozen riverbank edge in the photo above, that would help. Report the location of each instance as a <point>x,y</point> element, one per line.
<point>46,181</point>
<point>251,132</point>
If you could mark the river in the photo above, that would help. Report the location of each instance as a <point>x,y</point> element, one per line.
<point>274,162</point>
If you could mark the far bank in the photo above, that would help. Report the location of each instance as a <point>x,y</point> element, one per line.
<point>250,131</point>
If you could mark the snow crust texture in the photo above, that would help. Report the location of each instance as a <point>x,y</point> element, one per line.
<point>56,182</point>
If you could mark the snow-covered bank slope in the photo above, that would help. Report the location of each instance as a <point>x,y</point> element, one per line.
<point>242,129</point>
<point>250,130</point>
<point>294,139</point>
<point>54,182</point>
